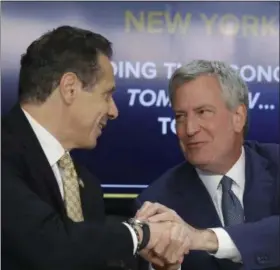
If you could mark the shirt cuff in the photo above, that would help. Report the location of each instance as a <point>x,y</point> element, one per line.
<point>227,249</point>
<point>134,237</point>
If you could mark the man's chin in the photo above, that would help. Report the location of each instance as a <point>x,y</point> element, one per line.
<point>197,160</point>
<point>92,145</point>
<point>89,145</point>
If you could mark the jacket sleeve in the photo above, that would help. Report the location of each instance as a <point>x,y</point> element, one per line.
<point>258,242</point>
<point>34,234</point>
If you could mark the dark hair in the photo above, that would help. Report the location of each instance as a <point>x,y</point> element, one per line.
<point>65,49</point>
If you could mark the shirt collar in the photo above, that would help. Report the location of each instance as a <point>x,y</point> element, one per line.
<point>50,145</point>
<point>236,173</point>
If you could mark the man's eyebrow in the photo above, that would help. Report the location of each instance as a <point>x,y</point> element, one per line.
<point>179,111</point>
<point>204,106</point>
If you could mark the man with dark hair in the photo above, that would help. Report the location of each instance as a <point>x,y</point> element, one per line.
<point>52,207</point>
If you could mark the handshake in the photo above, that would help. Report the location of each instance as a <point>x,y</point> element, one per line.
<point>171,238</point>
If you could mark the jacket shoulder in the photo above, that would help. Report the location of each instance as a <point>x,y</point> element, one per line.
<point>160,186</point>
<point>269,151</point>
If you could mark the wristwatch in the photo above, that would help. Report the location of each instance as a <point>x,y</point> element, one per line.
<point>133,222</point>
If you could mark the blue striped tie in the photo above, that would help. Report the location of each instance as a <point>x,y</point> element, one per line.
<point>232,209</point>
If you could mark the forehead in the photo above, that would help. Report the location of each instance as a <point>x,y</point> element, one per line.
<point>205,89</point>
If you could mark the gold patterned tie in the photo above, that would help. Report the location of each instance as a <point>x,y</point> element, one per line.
<point>71,189</point>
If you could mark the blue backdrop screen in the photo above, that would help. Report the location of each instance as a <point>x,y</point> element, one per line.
<point>150,40</point>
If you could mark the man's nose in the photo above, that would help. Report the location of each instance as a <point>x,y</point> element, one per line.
<point>113,110</point>
<point>191,126</point>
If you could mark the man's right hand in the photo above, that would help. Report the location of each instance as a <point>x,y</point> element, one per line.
<point>168,244</point>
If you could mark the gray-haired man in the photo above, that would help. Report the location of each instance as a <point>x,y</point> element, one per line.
<point>226,193</point>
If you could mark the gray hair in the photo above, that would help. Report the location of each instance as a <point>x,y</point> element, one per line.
<point>234,89</point>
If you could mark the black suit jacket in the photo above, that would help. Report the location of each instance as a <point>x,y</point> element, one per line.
<point>36,232</point>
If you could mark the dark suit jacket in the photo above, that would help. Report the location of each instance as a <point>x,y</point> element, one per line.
<point>258,239</point>
<point>36,233</point>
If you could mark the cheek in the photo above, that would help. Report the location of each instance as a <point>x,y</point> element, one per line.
<point>97,114</point>
<point>95,119</point>
<point>180,131</point>
<point>223,132</point>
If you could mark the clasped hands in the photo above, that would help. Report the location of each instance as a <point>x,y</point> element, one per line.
<point>171,238</point>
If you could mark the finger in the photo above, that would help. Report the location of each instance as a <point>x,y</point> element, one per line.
<point>183,245</point>
<point>181,259</point>
<point>171,253</point>
<point>149,255</point>
<point>143,209</point>
<point>180,237</point>
<point>155,260</point>
<point>152,210</point>
<point>166,216</point>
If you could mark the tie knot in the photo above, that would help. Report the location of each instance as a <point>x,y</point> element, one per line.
<point>65,161</point>
<point>226,183</point>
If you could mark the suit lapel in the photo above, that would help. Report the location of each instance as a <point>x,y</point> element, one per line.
<point>43,179</point>
<point>258,186</point>
<point>193,200</point>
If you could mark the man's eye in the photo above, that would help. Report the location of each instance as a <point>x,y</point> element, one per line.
<point>202,111</point>
<point>205,113</point>
<point>179,117</point>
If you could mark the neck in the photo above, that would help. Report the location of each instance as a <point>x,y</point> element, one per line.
<point>52,119</point>
<point>227,162</point>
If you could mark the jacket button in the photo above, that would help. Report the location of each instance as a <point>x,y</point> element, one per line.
<point>262,259</point>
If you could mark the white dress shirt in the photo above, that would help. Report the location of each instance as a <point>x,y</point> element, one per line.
<point>51,146</point>
<point>227,248</point>
<point>54,151</point>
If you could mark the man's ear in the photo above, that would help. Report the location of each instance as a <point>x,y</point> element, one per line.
<point>69,87</point>
<point>239,118</point>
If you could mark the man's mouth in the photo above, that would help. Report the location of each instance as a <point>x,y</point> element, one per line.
<point>101,125</point>
<point>195,144</point>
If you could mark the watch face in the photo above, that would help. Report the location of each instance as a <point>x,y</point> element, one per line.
<point>135,221</point>
<point>138,221</point>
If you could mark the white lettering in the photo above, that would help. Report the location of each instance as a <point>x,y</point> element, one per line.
<point>133,93</point>
<point>259,73</point>
<point>147,98</point>
<point>267,74</point>
<point>253,98</point>
<point>171,67</point>
<point>164,125</point>
<point>173,126</point>
<point>162,99</point>
<point>276,74</point>
<point>164,121</point>
<point>126,69</point>
<point>235,67</point>
<point>248,73</point>
<point>149,70</point>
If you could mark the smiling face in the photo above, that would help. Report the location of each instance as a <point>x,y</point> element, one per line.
<point>87,112</point>
<point>209,133</point>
